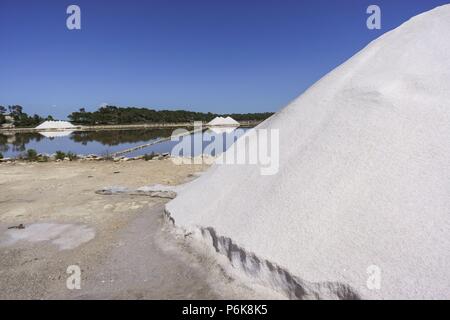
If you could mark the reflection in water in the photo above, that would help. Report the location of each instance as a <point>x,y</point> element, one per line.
<point>117,137</point>
<point>221,130</point>
<point>103,142</point>
<point>210,142</point>
<point>55,134</point>
<point>16,142</point>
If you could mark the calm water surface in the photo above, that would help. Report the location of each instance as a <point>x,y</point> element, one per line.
<point>105,142</point>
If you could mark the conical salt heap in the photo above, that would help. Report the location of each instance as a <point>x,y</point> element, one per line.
<point>362,196</point>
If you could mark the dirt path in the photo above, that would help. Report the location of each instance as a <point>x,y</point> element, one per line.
<point>137,268</point>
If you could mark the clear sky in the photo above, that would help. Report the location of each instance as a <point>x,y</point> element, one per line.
<point>221,56</point>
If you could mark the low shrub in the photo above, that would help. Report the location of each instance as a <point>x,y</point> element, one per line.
<point>1,155</point>
<point>43,158</point>
<point>107,156</point>
<point>72,156</point>
<point>60,155</point>
<point>32,155</point>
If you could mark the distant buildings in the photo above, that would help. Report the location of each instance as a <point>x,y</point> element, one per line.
<point>9,122</point>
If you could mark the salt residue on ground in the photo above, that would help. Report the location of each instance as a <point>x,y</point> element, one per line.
<point>65,236</point>
<point>364,179</point>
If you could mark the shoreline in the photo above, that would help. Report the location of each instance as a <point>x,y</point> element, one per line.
<point>44,158</point>
<point>244,124</point>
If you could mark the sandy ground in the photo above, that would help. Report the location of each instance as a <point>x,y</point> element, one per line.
<point>122,244</point>
<point>111,238</point>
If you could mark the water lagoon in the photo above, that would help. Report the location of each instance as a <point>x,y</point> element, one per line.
<point>102,142</point>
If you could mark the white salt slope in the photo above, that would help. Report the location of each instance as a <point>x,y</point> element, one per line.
<point>364,176</point>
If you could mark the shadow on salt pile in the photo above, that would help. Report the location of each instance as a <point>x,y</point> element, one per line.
<point>275,276</point>
<point>269,274</point>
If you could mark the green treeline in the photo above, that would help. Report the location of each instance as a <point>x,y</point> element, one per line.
<point>19,118</point>
<point>112,115</point>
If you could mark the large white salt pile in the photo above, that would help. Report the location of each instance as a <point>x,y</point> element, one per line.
<point>363,188</point>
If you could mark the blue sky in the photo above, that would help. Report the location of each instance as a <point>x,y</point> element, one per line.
<point>219,56</point>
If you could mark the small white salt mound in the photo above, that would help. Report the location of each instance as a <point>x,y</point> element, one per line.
<point>231,122</point>
<point>215,121</point>
<point>55,125</point>
<point>225,122</point>
<point>360,206</point>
